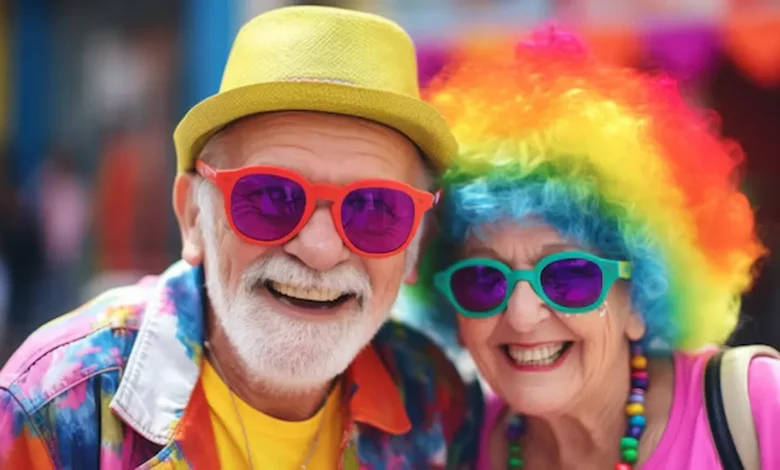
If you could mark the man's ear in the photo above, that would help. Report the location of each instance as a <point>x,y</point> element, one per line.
<point>187,212</point>
<point>430,229</point>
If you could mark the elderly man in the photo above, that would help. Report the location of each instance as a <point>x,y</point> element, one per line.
<point>301,191</point>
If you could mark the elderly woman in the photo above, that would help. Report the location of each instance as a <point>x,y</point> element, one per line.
<point>594,246</point>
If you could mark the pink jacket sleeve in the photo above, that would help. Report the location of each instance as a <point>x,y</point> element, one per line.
<point>764,390</point>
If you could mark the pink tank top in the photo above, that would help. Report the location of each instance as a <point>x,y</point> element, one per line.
<point>687,442</point>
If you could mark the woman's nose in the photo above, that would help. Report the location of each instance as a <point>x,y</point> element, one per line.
<point>525,309</point>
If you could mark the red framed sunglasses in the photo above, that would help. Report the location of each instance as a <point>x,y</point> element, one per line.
<point>267,205</point>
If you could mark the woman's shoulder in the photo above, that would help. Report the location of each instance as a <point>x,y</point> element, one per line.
<point>764,391</point>
<point>687,439</point>
<point>689,370</point>
<point>763,373</point>
<point>764,377</point>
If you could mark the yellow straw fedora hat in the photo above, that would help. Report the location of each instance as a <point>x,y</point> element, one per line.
<point>309,58</point>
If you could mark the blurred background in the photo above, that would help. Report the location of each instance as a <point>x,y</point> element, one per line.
<point>91,90</point>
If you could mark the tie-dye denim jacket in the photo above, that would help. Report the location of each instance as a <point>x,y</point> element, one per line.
<point>115,385</point>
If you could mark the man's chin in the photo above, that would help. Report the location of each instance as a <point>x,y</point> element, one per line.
<point>299,358</point>
<point>297,376</point>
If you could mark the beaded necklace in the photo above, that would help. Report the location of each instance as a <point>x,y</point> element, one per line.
<point>635,413</point>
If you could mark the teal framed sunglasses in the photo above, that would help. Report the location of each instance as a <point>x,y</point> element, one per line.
<point>569,282</point>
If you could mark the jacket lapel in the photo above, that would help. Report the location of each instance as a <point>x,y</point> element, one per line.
<point>193,446</point>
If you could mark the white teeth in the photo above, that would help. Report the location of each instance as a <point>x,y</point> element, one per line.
<point>317,294</point>
<point>539,356</point>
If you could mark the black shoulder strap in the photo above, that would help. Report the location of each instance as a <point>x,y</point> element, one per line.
<point>716,414</point>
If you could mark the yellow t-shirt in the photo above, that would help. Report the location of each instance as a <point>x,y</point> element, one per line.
<point>275,444</point>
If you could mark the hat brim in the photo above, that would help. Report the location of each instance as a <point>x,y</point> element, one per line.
<point>414,118</point>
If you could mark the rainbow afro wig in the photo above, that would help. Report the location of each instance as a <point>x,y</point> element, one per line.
<point>613,158</point>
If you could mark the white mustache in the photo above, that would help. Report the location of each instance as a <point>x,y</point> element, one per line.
<point>283,269</point>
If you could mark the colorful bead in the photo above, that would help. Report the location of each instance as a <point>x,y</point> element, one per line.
<point>517,422</point>
<point>638,374</point>
<point>634,409</point>
<point>637,349</point>
<point>628,443</point>
<point>638,421</point>
<point>629,455</point>
<point>639,382</point>
<point>635,432</point>
<point>636,398</point>
<point>515,429</point>
<point>637,391</point>
<point>639,362</point>
<point>622,466</point>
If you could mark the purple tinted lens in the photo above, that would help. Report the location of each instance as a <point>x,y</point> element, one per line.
<point>573,282</point>
<point>266,207</point>
<point>478,288</point>
<point>377,220</point>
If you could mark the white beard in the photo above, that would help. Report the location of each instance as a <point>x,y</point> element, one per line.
<point>283,353</point>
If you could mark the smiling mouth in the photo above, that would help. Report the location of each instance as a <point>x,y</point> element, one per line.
<point>308,297</point>
<point>544,356</point>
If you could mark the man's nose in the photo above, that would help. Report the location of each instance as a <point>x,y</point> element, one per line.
<point>318,244</point>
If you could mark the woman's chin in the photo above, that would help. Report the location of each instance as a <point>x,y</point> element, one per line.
<point>537,389</point>
<point>537,401</point>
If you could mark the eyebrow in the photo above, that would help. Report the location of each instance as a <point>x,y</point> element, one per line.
<point>553,248</point>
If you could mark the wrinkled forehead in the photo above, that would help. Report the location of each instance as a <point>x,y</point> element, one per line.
<point>320,146</point>
<point>521,230</point>
<point>527,238</point>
